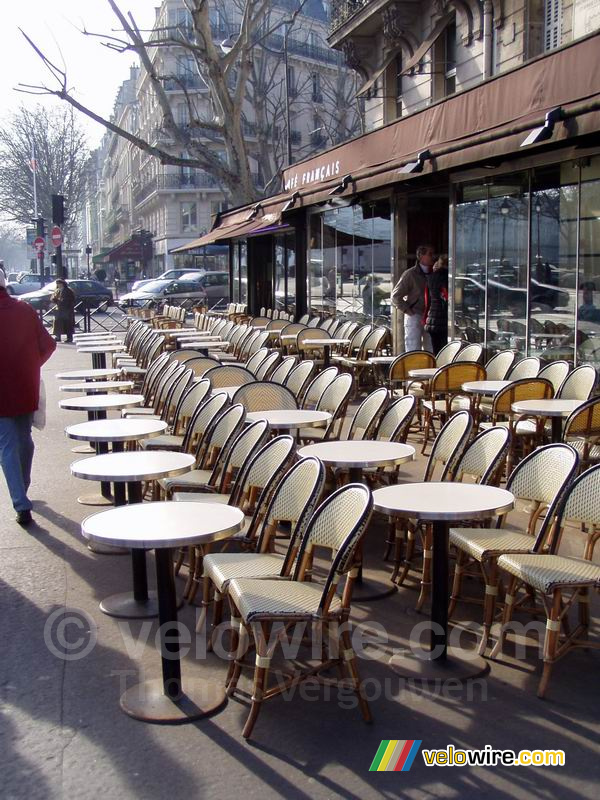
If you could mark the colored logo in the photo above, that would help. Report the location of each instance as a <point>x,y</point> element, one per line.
<point>395,755</point>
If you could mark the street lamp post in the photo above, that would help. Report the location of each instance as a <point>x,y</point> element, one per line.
<point>88,252</point>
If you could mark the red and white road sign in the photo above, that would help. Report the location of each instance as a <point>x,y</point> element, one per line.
<point>39,244</point>
<point>56,236</point>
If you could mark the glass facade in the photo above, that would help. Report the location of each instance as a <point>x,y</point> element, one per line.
<point>239,272</point>
<point>284,288</point>
<point>526,271</point>
<point>350,262</point>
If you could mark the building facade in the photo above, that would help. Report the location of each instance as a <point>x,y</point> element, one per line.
<point>175,204</point>
<point>484,121</point>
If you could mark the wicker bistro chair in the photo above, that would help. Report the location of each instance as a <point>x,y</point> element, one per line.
<point>303,338</point>
<point>266,607</point>
<point>483,461</point>
<point>357,339</point>
<point>317,386</point>
<point>399,369</point>
<point>190,402</point>
<point>277,324</point>
<point>445,385</point>
<point>539,481</point>
<point>582,431</point>
<point>525,368</point>
<point>447,448</point>
<point>525,432</point>
<point>158,392</point>
<point>579,384</point>
<point>293,501</point>
<point>265,370</point>
<point>563,582</point>
<point>359,364</point>
<point>368,414</point>
<point>499,364</point>
<point>314,322</point>
<point>252,488</point>
<point>282,370</point>
<point>555,372</point>
<point>183,355</point>
<point>256,360</point>
<point>297,380</point>
<point>265,396</point>
<point>167,398</point>
<point>393,426</point>
<point>447,353</point>
<point>229,375</point>
<point>335,400</point>
<point>472,352</point>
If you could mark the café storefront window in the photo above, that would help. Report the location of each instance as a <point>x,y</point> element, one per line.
<point>527,262</point>
<point>284,289</point>
<point>239,272</point>
<point>350,262</point>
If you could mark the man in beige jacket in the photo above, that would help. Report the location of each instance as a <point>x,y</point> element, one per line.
<point>409,296</point>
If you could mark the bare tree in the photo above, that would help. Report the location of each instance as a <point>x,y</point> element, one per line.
<point>245,82</point>
<point>61,152</point>
<point>13,249</point>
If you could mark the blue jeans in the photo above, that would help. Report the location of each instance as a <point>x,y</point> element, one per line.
<point>16,455</point>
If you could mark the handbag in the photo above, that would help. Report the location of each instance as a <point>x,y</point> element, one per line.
<point>39,416</point>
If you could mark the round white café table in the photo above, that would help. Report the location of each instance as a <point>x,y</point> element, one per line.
<point>484,387</point>
<point>87,374</point>
<point>284,419</point>
<point>441,504</point>
<point>163,526</point>
<point>326,344</point>
<point>97,387</point>
<point>557,410</point>
<point>425,373</point>
<point>355,456</point>
<point>131,469</point>
<point>98,353</point>
<point>97,406</point>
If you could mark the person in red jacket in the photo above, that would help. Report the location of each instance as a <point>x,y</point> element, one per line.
<point>26,345</point>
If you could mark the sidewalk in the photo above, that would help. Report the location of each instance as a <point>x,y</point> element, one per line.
<point>63,735</point>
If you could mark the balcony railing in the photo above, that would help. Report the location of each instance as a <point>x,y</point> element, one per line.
<point>304,49</point>
<point>180,82</point>
<point>173,181</point>
<point>342,10</point>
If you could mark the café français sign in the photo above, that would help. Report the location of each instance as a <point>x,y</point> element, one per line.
<point>317,174</point>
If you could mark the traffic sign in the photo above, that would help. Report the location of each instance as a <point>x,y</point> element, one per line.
<point>56,236</point>
<point>39,243</point>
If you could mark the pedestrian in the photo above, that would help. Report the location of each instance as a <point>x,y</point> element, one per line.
<point>117,281</point>
<point>409,296</point>
<point>26,345</point>
<point>436,314</point>
<point>64,317</point>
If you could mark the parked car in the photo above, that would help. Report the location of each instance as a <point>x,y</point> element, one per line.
<point>159,291</point>
<point>170,274</point>
<point>215,286</point>
<point>26,282</point>
<point>93,292</point>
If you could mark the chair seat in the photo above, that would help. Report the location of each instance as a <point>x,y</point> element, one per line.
<point>482,543</point>
<point>437,405</point>
<point>461,404</point>
<point>222,568</point>
<point>193,479</point>
<point>130,369</point>
<point>139,413</point>
<point>524,428</point>
<point>165,441</point>
<point>291,600</point>
<point>312,434</point>
<point>197,497</point>
<point>345,361</point>
<point>546,572</point>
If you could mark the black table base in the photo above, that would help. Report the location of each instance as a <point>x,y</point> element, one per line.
<point>442,662</point>
<point>165,700</point>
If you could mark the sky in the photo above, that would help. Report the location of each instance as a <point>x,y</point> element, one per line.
<point>94,72</point>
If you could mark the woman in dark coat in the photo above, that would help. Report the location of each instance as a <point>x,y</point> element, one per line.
<point>64,319</point>
<point>436,319</point>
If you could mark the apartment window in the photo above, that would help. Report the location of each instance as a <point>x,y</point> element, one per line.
<point>189,217</point>
<point>291,82</point>
<point>552,24</point>
<point>218,207</point>
<point>316,87</point>
<point>444,63</point>
<point>183,114</point>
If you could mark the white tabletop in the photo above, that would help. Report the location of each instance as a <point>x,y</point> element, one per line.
<point>321,342</point>
<point>84,337</point>
<point>102,348</point>
<point>139,465</point>
<point>291,337</point>
<point>163,524</point>
<point>359,453</point>
<point>116,430</point>
<point>102,402</point>
<point>425,372</point>
<point>97,386</point>
<point>484,387</point>
<point>443,501</point>
<point>382,359</point>
<point>85,374</point>
<point>284,419</point>
<point>546,408</point>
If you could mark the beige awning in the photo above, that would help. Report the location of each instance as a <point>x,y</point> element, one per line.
<point>437,30</point>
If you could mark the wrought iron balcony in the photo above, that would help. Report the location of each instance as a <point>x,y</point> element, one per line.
<point>342,10</point>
